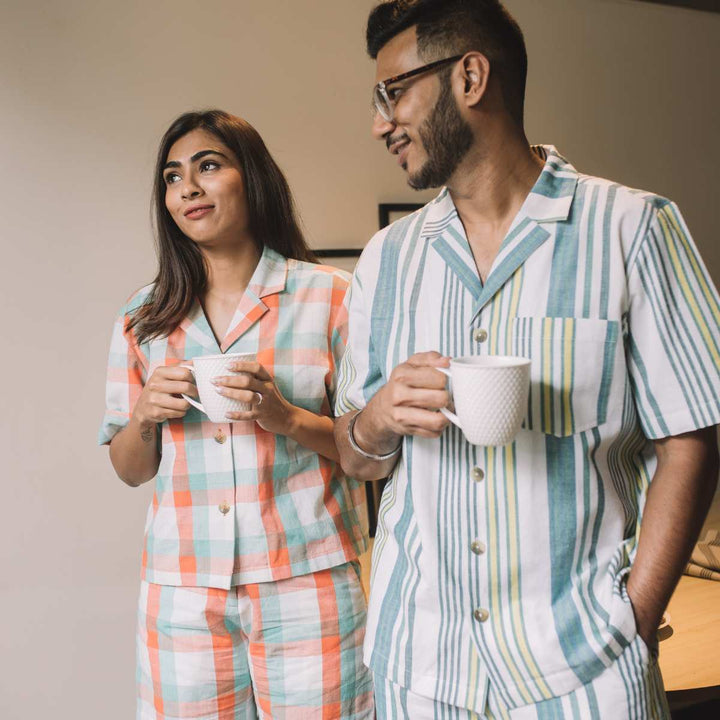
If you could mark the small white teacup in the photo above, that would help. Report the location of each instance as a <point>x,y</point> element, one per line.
<point>204,369</point>
<point>490,394</point>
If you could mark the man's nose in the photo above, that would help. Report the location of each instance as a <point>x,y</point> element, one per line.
<point>381,127</point>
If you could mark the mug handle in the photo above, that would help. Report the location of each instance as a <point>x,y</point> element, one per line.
<point>193,402</point>
<point>451,416</point>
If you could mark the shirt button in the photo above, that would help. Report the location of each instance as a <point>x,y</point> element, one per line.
<point>480,335</point>
<point>481,614</point>
<point>477,474</point>
<point>220,437</point>
<point>224,508</point>
<point>477,547</point>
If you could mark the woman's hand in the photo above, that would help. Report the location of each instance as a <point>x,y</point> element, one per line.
<point>270,410</point>
<point>160,399</point>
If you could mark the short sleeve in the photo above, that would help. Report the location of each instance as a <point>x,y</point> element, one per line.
<point>359,377</point>
<point>337,331</point>
<point>125,380</point>
<point>673,340</point>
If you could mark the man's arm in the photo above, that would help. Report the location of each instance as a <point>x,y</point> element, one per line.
<point>406,405</point>
<point>678,500</point>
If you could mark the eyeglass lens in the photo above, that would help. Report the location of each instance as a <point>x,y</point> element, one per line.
<point>382,103</point>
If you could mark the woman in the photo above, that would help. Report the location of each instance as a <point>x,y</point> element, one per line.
<point>250,600</point>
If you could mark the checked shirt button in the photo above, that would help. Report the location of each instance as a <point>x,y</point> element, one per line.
<point>224,508</point>
<point>220,437</point>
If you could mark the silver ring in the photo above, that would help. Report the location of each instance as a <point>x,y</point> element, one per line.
<point>260,399</point>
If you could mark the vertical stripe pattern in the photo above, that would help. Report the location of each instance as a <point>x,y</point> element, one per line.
<point>498,572</point>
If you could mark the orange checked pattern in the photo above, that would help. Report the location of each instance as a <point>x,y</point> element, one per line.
<point>235,504</point>
<point>287,649</point>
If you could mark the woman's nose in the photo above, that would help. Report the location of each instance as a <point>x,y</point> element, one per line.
<point>190,188</point>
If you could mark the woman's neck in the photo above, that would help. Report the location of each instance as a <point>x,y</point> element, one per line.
<point>230,269</point>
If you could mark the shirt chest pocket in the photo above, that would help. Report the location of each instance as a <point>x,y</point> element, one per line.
<point>571,371</point>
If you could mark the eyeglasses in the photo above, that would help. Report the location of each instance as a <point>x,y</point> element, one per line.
<point>382,101</point>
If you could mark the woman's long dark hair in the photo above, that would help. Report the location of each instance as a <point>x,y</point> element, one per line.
<point>182,275</point>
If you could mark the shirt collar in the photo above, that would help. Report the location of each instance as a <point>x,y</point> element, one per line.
<point>549,200</point>
<point>551,197</point>
<point>270,274</point>
<point>269,278</point>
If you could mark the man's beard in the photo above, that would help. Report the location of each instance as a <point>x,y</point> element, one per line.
<point>446,137</point>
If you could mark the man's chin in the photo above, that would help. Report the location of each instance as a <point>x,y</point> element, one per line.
<point>418,182</point>
<point>422,179</point>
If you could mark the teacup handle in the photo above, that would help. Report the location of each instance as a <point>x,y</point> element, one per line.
<point>193,402</point>
<point>451,416</point>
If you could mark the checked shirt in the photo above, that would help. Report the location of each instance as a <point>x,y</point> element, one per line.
<point>235,504</point>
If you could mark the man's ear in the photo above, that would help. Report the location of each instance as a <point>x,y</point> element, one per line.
<point>475,76</point>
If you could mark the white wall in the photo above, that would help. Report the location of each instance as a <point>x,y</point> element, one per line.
<point>623,88</point>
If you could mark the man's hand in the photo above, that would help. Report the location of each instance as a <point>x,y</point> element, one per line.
<point>407,404</point>
<point>678,500</point>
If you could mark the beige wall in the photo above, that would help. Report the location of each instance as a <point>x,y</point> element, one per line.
<point>624,89</point>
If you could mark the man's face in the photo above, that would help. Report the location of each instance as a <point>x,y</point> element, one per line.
<point>428,134</point>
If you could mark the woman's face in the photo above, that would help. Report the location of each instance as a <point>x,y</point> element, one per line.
<point>205,190</point>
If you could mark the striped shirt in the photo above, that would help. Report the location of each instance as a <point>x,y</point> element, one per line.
<point>233,503</point>
<point>506,565</point>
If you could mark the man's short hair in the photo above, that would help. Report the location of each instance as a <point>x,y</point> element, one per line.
<point>452,27</point>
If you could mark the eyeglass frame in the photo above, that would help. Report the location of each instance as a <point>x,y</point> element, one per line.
<point>381,87</point>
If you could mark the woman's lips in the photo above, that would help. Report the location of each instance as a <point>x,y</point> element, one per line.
<point>198,212</point>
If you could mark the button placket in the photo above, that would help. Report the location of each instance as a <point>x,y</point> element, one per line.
<point>221,460</point>
<point>477,543</point>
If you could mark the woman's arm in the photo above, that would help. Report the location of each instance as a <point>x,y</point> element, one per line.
<point>134,450</point>
<point>273,412</point>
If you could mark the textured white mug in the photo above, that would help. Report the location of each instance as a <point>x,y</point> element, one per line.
<point>204,369</point>
<point>490,394</point>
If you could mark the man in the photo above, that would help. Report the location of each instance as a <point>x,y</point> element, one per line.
<point>513,581</point>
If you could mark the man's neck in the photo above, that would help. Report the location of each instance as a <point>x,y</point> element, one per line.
<point>495,179</point>
<point>488,190</point>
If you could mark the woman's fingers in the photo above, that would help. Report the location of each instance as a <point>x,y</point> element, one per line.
<point>254,368</point>
<point>172,372</point>
<point>239,382</point>
<point>163,402</point>
<point>173,387</point>
<point>246,396</point>
<point>250,415</point>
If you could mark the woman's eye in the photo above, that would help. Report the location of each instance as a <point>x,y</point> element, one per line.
<point>208,165</point>
<point>171,178</point>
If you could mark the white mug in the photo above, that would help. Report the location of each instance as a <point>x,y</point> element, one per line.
<point>490,394</point>
<point>204,369</point>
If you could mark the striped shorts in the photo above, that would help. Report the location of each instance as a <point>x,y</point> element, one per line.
<point>285,649</point>
<point>630,689</point>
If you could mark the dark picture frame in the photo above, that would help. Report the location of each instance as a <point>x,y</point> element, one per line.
<point>390,212</point>
<point>343,258</point>
<point>707,5</point>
